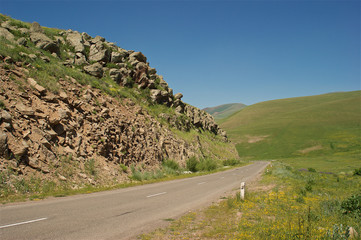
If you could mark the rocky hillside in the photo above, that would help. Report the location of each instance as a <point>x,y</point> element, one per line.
<point>70,102</point>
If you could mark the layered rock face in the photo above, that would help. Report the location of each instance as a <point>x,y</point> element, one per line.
<point>39,127</point>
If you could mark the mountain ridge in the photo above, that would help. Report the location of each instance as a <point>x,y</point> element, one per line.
<point>225,110</point>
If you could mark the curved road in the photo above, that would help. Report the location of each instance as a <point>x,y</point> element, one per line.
<point>118,214</point>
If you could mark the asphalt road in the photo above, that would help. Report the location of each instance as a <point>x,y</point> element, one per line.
<point>118,214</point>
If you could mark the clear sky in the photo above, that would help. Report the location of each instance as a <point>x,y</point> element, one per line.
<point>217,52</point>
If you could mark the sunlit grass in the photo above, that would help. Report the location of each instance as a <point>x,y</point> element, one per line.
<point>286,204</point>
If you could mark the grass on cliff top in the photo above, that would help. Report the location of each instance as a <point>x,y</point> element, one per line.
<point>327,124</point>
<point>286,204</point>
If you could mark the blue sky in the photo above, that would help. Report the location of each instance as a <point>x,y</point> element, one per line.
<point>217,52</point>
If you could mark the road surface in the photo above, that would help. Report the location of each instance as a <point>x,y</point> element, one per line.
<point>118,214</point>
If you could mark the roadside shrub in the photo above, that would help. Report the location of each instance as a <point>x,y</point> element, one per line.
<point>206,164</point>
<point>192,164</point>
<point>170,164</point>
<point>136,174</point>
<point>231,162</point>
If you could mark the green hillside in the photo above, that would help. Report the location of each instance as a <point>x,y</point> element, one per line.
<point>225,110</point>
<point>327,124</point>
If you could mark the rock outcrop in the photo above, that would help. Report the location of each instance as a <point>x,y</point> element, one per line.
<point>41,128</point>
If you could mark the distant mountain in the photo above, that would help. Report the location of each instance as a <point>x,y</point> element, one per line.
<point>319,125</point>
<point>225,110</point>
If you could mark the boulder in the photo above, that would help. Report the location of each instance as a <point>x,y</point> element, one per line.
<point>178,96</point>
<point>75,39</point>
<point>24,30</point>
<point>43,42</point>
<point>36,28</point>
<point>98,52</point>
<point>6,34</point>
<point>79,58</point>
<point>20,150</point>
<point>97,39</point>
<point>5,116</point>
<point>59,40</point>
<point>24,110</point>
<point>115,74</point>
<point>118,57</point>
<point>37,87</point>
<point>95,70</point>
<point>155,95</point>
<point>7,25</point>
<point>21,41</point>
<point>137,56</point>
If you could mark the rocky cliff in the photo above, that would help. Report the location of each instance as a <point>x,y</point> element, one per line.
<point>69,100</point>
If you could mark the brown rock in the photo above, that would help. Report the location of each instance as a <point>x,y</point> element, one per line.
<point>20,150</point>
<point>95,70</point>
<point>137,56</point>
<point>37,87</point>
<point>43,42</point>
<point>35,27</point>
<point>24,109</point>
<point>6,34</point>
<point>5,116</point>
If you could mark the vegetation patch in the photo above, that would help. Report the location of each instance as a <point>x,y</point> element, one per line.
<point>286,204</point>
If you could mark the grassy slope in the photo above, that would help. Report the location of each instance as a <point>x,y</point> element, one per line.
<point>225,110</point>
<point>329,122</point>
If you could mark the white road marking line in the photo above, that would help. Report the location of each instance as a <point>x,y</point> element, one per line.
<point>21,223</point>
<point>201,183</point>
<point>157,194</point>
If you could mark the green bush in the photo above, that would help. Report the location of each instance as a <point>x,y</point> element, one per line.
<point>192,164</point>
<point>136,174</point>
<point>311,170</point>
<point>352,205</point>
<point>170,164</point>
<point>231,162</point>
<point>206,164</point>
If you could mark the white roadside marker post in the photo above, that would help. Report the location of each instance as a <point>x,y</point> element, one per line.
<point>243,189</point>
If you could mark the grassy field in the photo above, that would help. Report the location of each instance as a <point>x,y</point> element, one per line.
<point>288,203</point>
<point>320,125</point>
